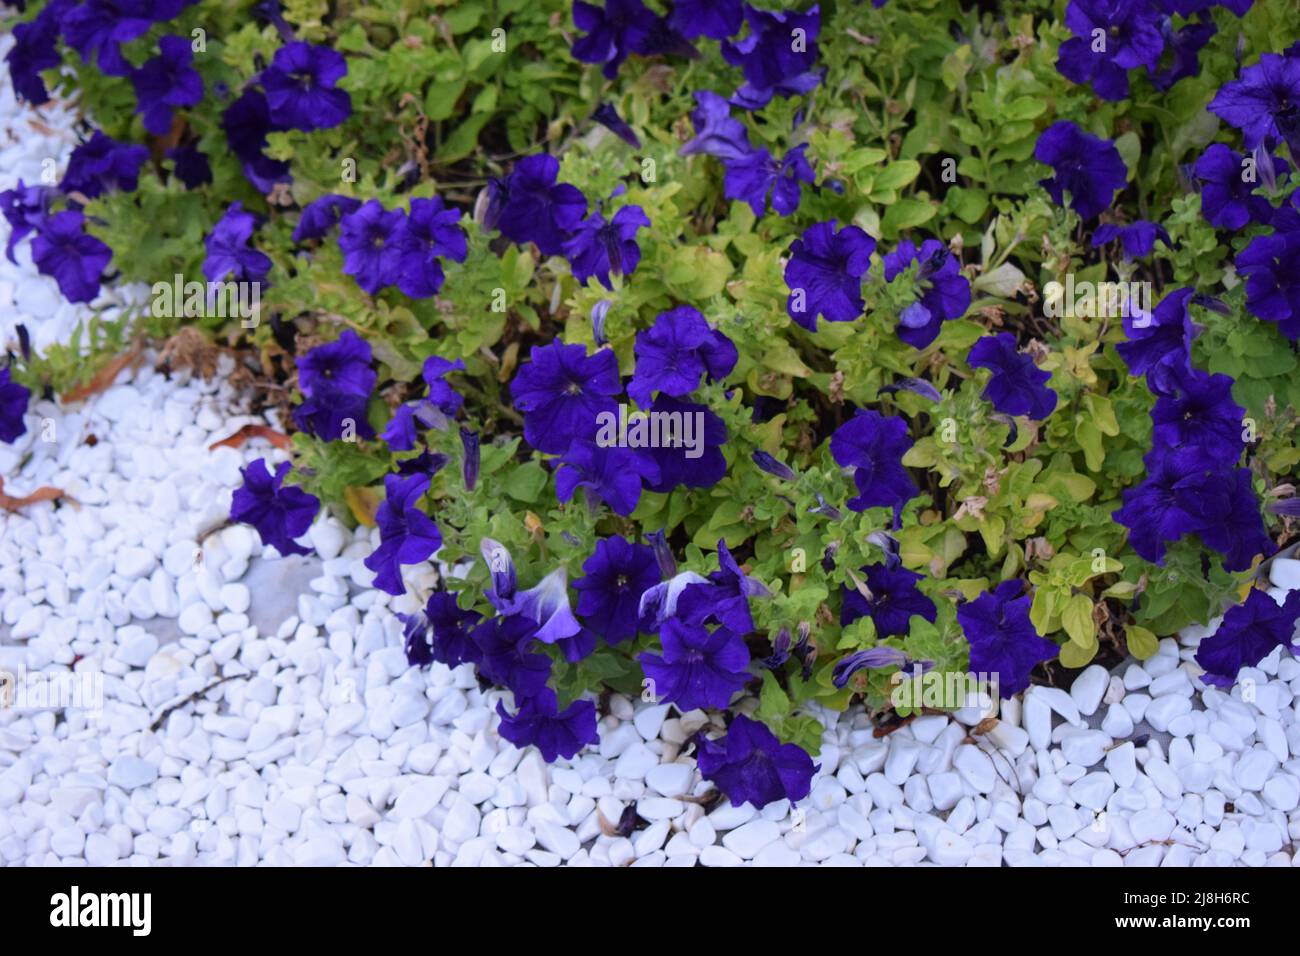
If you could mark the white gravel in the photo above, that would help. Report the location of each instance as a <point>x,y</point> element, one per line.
<point>320,746</point>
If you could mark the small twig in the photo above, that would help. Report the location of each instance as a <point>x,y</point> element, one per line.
<point>188,700</point>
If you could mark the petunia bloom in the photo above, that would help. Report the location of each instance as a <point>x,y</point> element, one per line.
<point>368,237</point>
<point>321,215</point>
<point>1262,102</point>
<point>1137,239</point>
<point>612,475</point>
<point>74,258</point>
<point>750,765</point>
<point>1002,638</point>
<point>166,82</point>
<point>894,600</point>
<point>943,292</point>
<point>505,655</point>
<point>697,668</point>
<point>599,248</point>
<point>406,534</point>
<point>675,353</point>
<point>825,273</point>
<point>246,123</point>
<point>540,723</point>
<point>36,49</point>
<point>100,164</point>
<point>13,406</point>
<point>1271,265</point>
<point>530,206</point>
<point>777,56</point>
<point>229,255</point>
<point>279,512</point>
<point>1159,343</point>
<point>1110,38</point>
<point>716,19</point>
<point>621,28</point>
<point>754,176</point>
<point>1249,632</point>
<point>428,233</point>
<point>301,87</point>
<point>617,574</point>
<point>607,116</point>
<point>1086,167</point>
<point>725,596</point>
<point>694,456</point>
<point>561,392</point>
<point>874,445</point>
<point>336,380</point>
<point>25,209</point>
<point>1227,197</point>
<point>717,133</point>
<point>1017,386</point>
<point>1199,412</point>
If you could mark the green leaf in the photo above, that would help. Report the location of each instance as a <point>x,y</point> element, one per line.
<point>1141,642</point>
<point>1076,618</point>
<point>526,482</point>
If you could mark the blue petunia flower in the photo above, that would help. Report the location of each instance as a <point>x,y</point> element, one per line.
<point>301,87</point>
<point>1249,632</point>
<point>894,599</point>
<point>190,166</point>
<point>873,446</point>
<point>321,215</point>
<point>674,354</point>
<point>1002,638</point>
<point>599,248</point>
<point>540,723</point>
<point>279,512</point>
<point>429,232</point>
<point>1184,46</point>
<point>724,597</point>
<point>74,258</point>
<point>717,133</point>
<point>1225,506</point>
<point>36,49</point>
<point>617,574</point>
<point>1200,413</point>
<point>368,238</point>
<point>561,391</point>
<point>449,627</point>
<point>697,668</point>
<point>1086,167</point>
<point>777,56</point>
<point>166,82</point>
<point>1159,343</point>
<point>752,177</point>
<point>1271,265</point>
<point>700,466</point>
<point>659,603</point>
<point>246,123</point>
<point>1017,386</point>
<point>102,163</point>
<point>229,255</point>
<point>612,475</point>
<point>505,657</point>
<point>546,604</point>
<point>336,381</point>
<point>96,29</point>
<point>825,273</point>
<point>750,765</point>
<point>607,116</point>
<point>1262,103</point>
<point>1137,239</point>
<point>944,293</point>
<point>530,206</point>
<point>1227,200</point>
<point>406,534</point>
<point>25,209</point>
<point>715,19</point>
<point>13,406</point>
<point>621,28</point>
<point>1110,38</point>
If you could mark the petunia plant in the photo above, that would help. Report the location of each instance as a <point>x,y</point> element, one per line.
<point>746,357</point>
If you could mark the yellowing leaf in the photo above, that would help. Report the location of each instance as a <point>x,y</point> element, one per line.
<point>363,503</point>
<point>1141,642</point>
<point>1077,620</point>
<point>1072,655</point>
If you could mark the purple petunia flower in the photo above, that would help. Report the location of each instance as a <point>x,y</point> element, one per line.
<point>617,574</point>
<point>301,87</point>
<point>336,380</point>
<point>943,291</point>
<point>100,164</point>
<point>321,215</point>
<point>74,258</point>
<point>724,597</point>
<point>1264,103</point>
<point>1002,639</point>
<point>13,406</point>
<point>1088,168</point>
<point>1200,413</point>
<point>229,255</point>
<point>24,208</point>
<point>825,273</point>
<point>1017,386</point>
<point>715,19</point>
<point>612,475</point>
<point>1227,510</point>
<point>1137,239</point>
<point>697,668</point>
<point>1271,265</point>
<point>607,116</point>
<point>561,391</point>
<point>546,604</point>
<point>279,512</point>
<point>96,29</point>
<point>621,28</point>
<point>1184,46</point>
<point>1110,38</point>
<point>659,603</point>
<point>449,627</point>
<point>750,765</point>
<point>873,445</point>
<point>165,83</point>
<point>246,123</point>
<point>694,458</point>
<point>530,206</point>
<point>676,352</point>
<point>777,56</point>
<point>369,240</point>
<point>190,166</point>
<point>429,232</point>
<point>36,49</point>
<point>1227,199</point>
<point>598,248</point>
<point>505,658</point>
<point>716,132</point>
<point>469,441</point>
<point>754,176</point>
<point>894,599</point>
<point>406,534</point>
<point>773,466</point>
<point>1249,632</point>
<point>1159,344</point>
<point>540,723</point>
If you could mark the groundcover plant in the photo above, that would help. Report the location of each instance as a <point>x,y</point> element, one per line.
<point>730,356</point>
